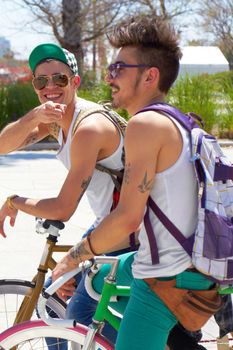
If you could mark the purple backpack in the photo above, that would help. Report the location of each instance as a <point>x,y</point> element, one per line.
<point>211,245</point>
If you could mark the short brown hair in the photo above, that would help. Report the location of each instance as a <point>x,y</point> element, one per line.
<point>156,43</point>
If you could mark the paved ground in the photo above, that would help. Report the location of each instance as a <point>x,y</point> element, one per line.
<point>36,175</point>
<point>40,175</point>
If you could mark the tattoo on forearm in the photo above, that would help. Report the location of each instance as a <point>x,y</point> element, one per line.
<point>84,186</point>
<point>79,251</point>
<point>126,173</point>
<point>146,184</point>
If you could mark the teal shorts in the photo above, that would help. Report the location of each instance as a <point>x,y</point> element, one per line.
<point>147,321</point>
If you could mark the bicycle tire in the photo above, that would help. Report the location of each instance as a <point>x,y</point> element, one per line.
<point>32,335</point>
<point>12,292</point>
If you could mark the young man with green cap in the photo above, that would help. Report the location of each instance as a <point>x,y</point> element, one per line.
<point>96,140</point>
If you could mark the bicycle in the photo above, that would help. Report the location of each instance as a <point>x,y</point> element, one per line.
<point>18,298</point>
<point>33,333</point>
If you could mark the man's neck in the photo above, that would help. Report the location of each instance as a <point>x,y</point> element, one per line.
<point>146,102</point>
<point>68,117</point>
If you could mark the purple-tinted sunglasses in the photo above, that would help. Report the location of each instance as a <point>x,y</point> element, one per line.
<point>114,68</point>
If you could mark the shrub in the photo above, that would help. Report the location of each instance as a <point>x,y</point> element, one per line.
<point>196,94</point>
<point>210,96</point>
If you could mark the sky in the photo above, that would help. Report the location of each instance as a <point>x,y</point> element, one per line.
<point>12,26</point>
<point>23,38</point>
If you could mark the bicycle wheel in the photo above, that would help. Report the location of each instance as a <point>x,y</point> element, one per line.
<point>12,293</point>
<point>32,334</point>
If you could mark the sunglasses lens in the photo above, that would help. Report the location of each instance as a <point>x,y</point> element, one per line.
<point>40,82</point>
<point>60,80</point>
<point>112,71</point>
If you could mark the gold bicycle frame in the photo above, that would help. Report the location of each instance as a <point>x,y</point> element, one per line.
<point>47,262</point>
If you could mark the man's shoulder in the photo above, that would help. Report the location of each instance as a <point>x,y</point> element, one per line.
<point>148,118</point>
<point>84,104</point>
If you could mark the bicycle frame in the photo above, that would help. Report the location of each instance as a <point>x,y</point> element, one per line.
<point>102,313</point>
<point>47,262</point>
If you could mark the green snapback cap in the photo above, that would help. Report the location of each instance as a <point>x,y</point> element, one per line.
<point>52,51</point>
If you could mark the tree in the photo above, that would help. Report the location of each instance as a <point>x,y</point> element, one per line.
<point>175,11</point>
<point>77,23</point>
<point>80,25</point>
<point>217,19</point>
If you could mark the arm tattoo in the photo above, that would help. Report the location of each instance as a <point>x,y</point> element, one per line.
<point>85,183</point>
<point>30,140</point>
<point>84,186</point>
<point>146,184</point>
<point>126,173</point>
<point>78,251</point>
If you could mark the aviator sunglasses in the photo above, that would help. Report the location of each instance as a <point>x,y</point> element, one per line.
<point>114,69</point>
<point>58,79</point>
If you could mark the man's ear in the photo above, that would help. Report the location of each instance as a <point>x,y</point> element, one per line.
<point>77,81</point>
<point>152,76</point>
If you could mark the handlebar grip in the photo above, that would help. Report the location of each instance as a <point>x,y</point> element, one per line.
<point>56,223</point>
<point>50,291</point>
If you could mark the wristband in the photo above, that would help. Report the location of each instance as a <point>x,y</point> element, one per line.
<point>9,203</point>
<point>90,245</point>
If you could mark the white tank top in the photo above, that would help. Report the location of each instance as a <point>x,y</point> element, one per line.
<point>175,192</point>
<point>100,189</point>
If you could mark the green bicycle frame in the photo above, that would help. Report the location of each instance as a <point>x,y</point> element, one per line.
<point>102,312</point>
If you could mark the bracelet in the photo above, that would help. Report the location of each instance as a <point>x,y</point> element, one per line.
<point>90,245</point>
<point>9,203</point>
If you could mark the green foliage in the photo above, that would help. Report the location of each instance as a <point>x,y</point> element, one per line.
<point>16,100</point>
<point>210,96</point>
<point>196,94</point>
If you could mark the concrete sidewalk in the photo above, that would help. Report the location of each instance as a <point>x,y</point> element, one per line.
<point>35,175</point>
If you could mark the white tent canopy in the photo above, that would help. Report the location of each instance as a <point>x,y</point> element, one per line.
<point>202,59</point>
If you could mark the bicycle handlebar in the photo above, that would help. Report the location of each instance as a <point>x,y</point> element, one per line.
<point>51,290</point>
<point>112,260</point>
<point>49,226</point>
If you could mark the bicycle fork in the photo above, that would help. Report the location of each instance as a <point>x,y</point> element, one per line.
<point>102,312</point>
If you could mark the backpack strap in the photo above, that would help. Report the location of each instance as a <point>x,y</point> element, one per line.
<point>186,243</point>
<point>116,175</point>
<point>186,120</point>
<point>54,129</point>
<point>114,117</point>
<point>120,124</point>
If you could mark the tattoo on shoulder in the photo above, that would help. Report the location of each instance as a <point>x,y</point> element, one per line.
<point>146,185</point>
<point>126,173</point>
<point>78,251</point>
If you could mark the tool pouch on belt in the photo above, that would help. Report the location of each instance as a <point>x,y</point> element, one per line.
<point>192,308</point>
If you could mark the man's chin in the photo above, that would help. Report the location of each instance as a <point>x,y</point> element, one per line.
<point>115,104</point>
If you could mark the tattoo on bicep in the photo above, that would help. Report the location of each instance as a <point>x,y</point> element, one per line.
<point>146,185</point>
<point>126,173</point>
<point>84,186</point>
<point>85,183</point>
<point>78,251</point>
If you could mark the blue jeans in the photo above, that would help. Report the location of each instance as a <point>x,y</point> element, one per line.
<point>81,306</point>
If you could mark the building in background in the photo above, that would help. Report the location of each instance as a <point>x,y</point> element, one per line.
<point>5,46</point>
<point>202,60</point>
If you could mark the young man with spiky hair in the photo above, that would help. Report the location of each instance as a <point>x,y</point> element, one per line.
<point>157,165</point>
